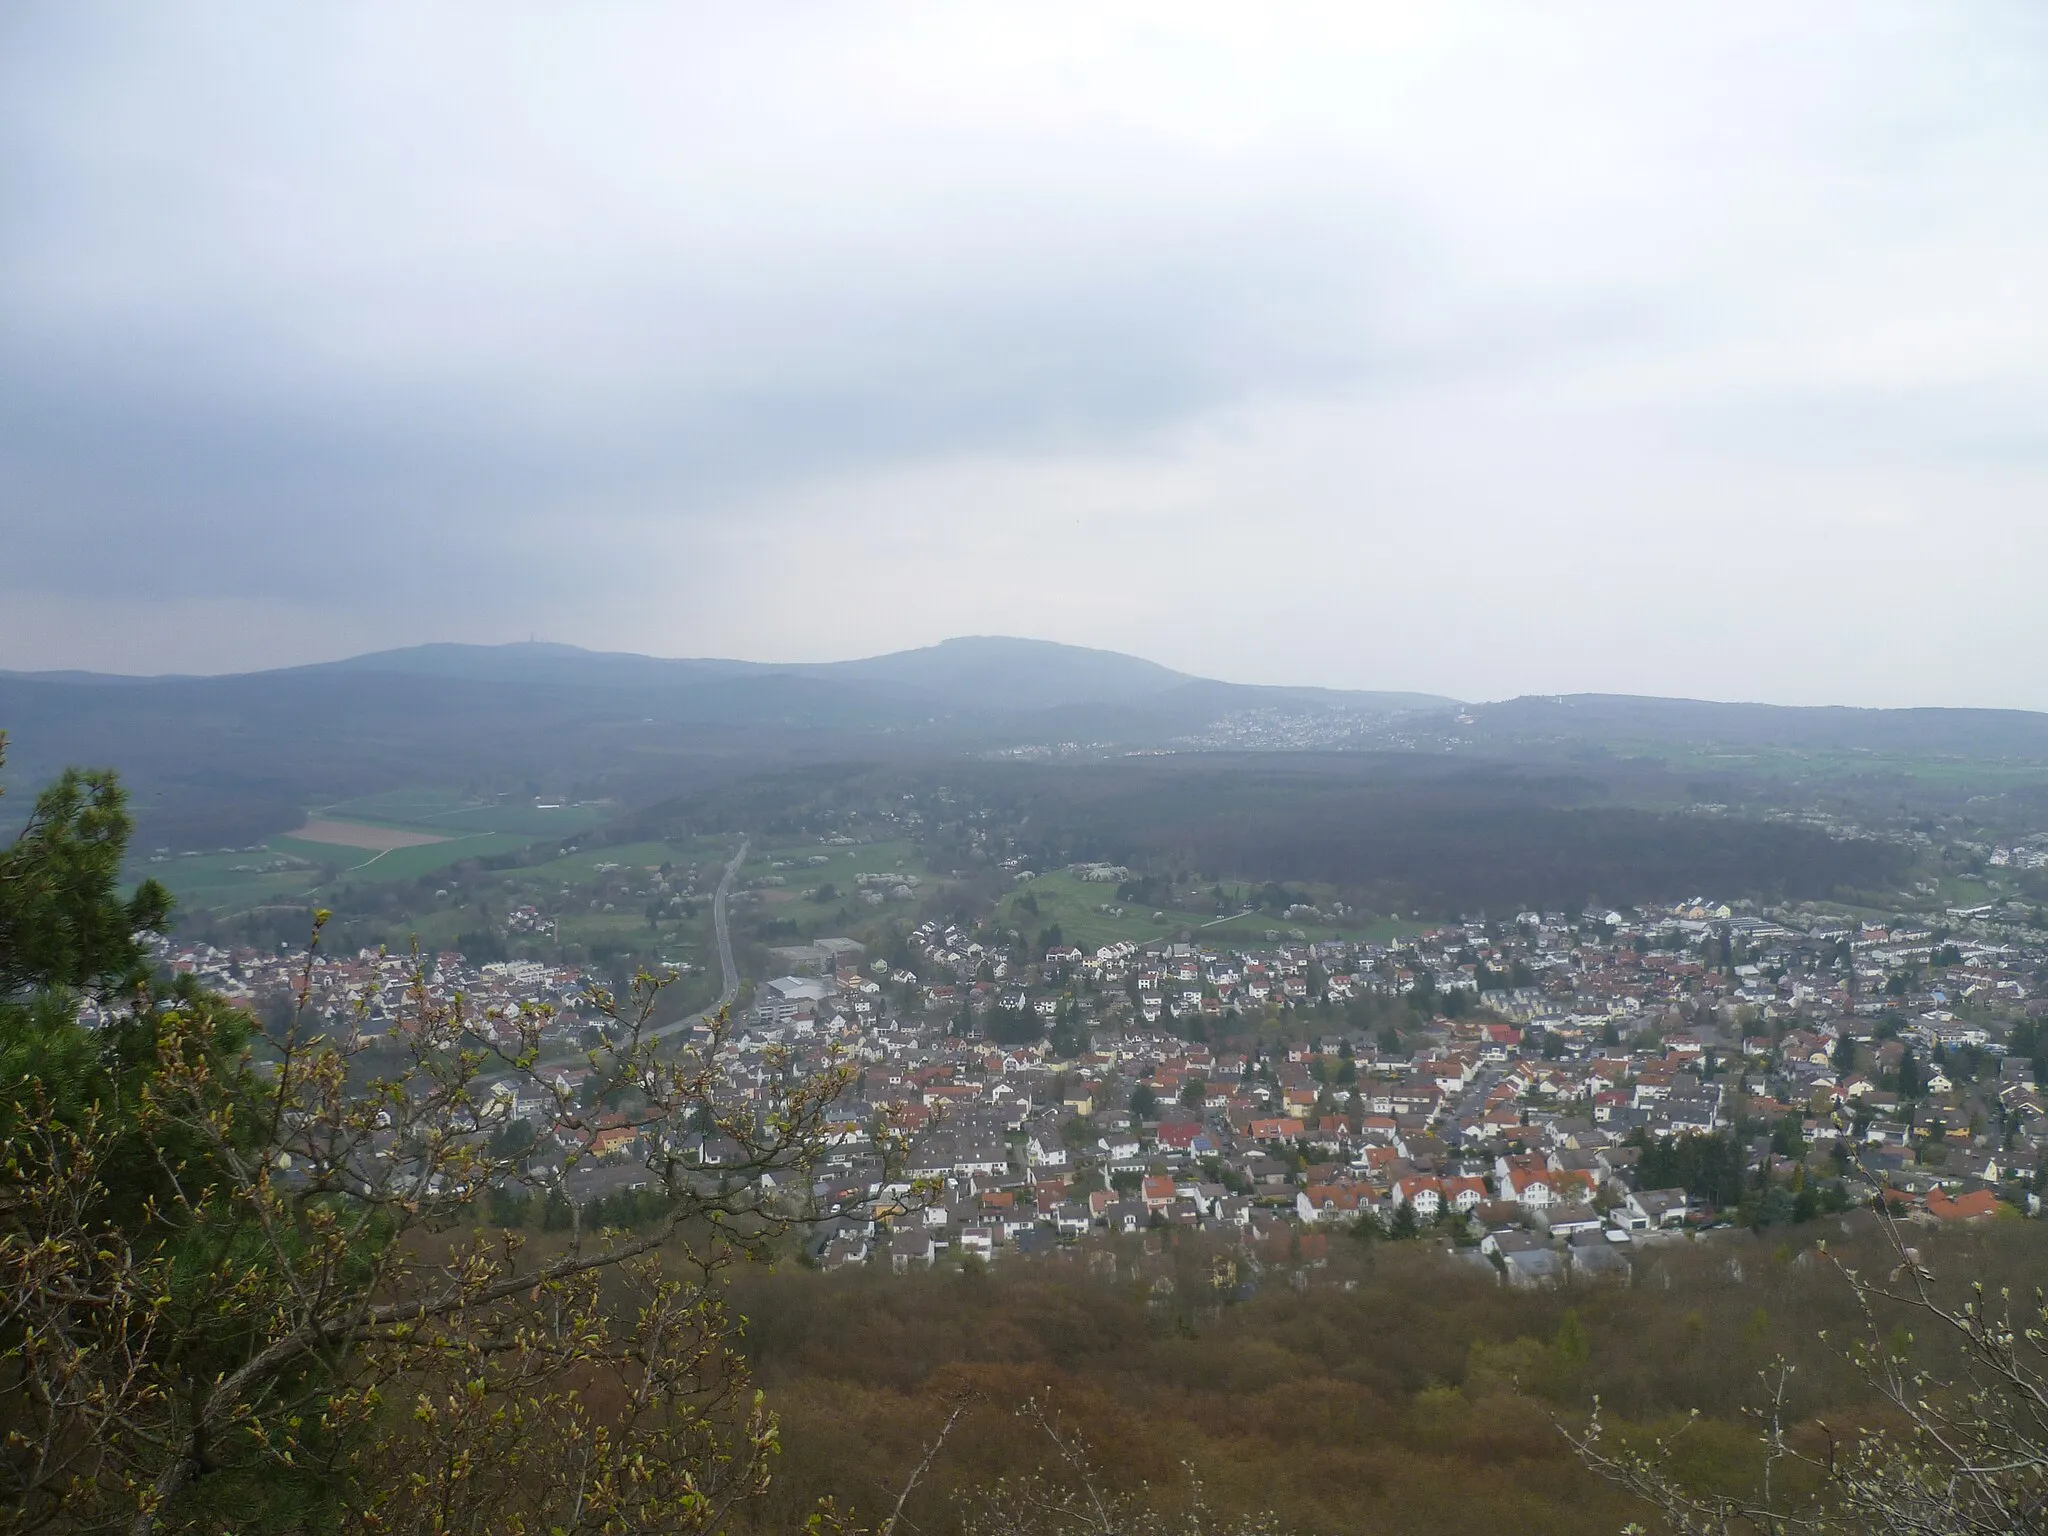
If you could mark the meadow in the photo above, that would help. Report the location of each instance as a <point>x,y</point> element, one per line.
<point>580,866</point>
<point>402,863</point>
<point>842,866</point>
<point>223,884</point>
<point>227,882</point>
<point>1073,904</point>
<point>433,810</point>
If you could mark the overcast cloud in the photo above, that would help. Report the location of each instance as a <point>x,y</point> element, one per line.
<point>1484,350</point>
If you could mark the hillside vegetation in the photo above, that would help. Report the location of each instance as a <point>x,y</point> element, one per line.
<point>1389,1394</point>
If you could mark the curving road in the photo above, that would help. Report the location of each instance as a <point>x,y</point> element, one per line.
<point>728,968</point>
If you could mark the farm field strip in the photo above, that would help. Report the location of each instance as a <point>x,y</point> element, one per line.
<point>406,863</point>
<point>364,835</point>
<point>436,811</point>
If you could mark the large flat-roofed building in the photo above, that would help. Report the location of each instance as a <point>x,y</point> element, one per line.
<point>821,957</point>
<point>786,996</point>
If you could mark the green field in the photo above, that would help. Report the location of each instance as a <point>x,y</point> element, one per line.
<point>1071,903</point>
<point>210,883</point>
<point>677,940</point>
<point>1974,890</point>
<point>581,866</point>
<point>623,929</point>
<point>841,865</point>
<point>431,810</point>
<point>398,805</point>
<point>787,903</point>
<point>471,828</point>
<point>564,821</point>
<point>403,863</point>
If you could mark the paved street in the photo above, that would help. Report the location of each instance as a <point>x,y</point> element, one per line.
<point>728,968</point>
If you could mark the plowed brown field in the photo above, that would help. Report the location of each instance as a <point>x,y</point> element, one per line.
<point>356,834</point>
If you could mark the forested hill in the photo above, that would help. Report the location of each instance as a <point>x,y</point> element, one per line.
<point>1622,720</point>
<point>228,760</point>
<point>981,675</point>
<point>980,679</point>
<point>224,760</point>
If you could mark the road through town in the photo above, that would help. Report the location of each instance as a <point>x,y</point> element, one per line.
<point>728,968</point>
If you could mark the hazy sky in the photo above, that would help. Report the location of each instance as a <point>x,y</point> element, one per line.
<point>1484,350</point>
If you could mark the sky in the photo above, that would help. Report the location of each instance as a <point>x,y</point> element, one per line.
<point>1476,349</point>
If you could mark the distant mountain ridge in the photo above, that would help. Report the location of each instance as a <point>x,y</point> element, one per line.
<point>1005,680</point>
<point>981,673</point>
<point>975,672</point>
<point>223,760</point>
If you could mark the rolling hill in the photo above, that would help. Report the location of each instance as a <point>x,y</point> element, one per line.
<point>225,760</point>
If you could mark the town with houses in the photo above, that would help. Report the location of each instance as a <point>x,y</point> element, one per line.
<point>1516,1091</point>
